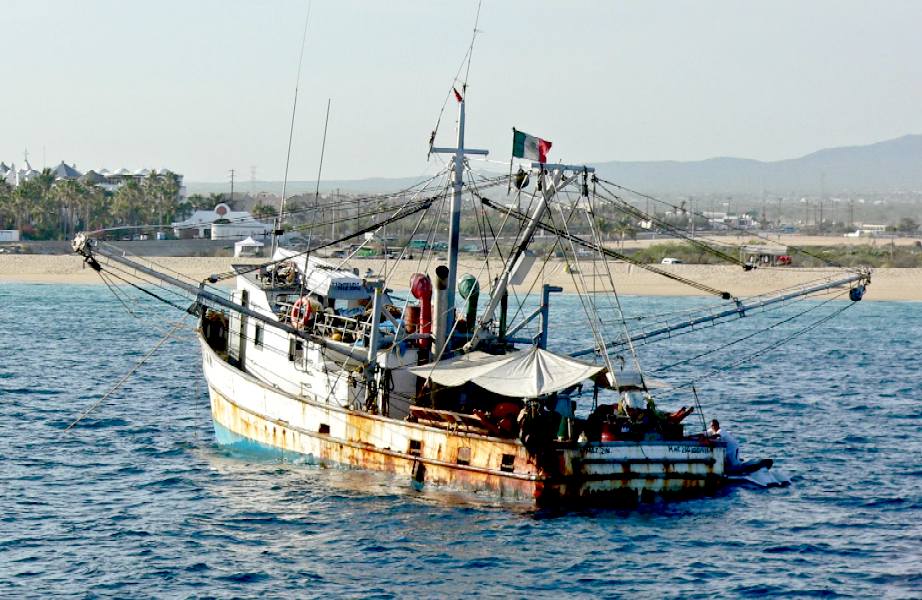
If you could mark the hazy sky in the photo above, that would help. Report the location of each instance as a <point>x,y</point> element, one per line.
<point>205,86</point>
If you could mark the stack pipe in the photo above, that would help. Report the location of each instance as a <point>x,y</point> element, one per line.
<point>441,306</point>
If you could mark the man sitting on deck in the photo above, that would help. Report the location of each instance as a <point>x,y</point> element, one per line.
<point>733,447</point>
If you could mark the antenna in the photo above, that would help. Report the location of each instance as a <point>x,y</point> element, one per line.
<point>467,58</point>
<point>323,146</point>
<point>470,50</point>
<point>291,131</point>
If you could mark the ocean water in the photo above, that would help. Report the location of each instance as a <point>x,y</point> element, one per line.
<point>138,501</point>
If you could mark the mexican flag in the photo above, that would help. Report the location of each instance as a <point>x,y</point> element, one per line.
<point>529,147</point>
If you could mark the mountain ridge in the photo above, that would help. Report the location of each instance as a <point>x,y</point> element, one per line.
<point>885,166</point>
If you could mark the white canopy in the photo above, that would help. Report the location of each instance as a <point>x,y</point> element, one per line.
<point>527,374</point>
<point>325,279</point>
<point>248,242</point>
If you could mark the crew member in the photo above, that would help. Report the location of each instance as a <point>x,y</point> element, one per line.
<point>733,447</point>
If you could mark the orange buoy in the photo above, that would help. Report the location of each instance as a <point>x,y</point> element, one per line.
<point>301,312</point>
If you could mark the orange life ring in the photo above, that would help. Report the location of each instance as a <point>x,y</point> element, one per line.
<point>301,312</point>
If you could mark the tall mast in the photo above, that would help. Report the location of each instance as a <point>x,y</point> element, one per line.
<point>454,227</point>
<point>277,227</point>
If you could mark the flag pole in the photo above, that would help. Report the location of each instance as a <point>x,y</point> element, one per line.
<point>511,158</point>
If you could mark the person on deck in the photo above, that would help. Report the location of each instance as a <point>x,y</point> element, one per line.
<point>733,447</point>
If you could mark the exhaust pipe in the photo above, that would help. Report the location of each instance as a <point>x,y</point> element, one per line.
<point>421,288</point>
<point>441,303</point>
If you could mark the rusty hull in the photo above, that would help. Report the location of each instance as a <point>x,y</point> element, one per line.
<point>247,410</point>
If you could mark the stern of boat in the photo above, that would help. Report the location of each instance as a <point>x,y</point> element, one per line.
<point>619,473</point>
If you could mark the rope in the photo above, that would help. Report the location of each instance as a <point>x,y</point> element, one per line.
<point>738,229</point>
<point>751,335</point>
<point>769,347</point>
<point>578,240</point>
<point>677,231</point>
<point>401,213</point>
<point>148,292</point>
<point>125,377</point>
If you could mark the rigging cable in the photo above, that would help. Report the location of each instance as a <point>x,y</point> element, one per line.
<point>578,240</point>
<point>677,231</point>
<point>614,292</point>
<point>769,347</point>
<point>467,58</point>
<point>294,108</point>
<point>749,336</point>
<point>735,228</point>
<point>125,377</point>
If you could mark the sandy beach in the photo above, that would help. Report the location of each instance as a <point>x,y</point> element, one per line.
<point>887,284</point>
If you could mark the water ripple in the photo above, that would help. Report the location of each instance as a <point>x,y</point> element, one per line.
<point>137,501</point>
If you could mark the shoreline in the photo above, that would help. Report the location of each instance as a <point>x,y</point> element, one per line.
<point>886,283</point>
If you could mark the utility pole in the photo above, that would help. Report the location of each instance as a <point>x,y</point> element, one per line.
<point>691,214</point>
<point>232,186</point>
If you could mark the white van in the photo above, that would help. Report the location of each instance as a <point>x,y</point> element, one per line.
<point>671,261</point>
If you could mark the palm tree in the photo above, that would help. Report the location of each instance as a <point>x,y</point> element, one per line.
<point>7,216</point>
<point>128,203</point>
<point>95,206</point>
<point>604,226</point>
<point>69,196</point>
<point>200,202</point>
<point>264,211</point>
<point>169,190</point>
<point>625,228</point>
<point>150,188</point>
<point>216,199</point>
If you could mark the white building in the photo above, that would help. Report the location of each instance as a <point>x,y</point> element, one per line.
<point>222,223</point>
<point>103,178</point>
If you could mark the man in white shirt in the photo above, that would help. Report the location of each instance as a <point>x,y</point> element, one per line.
<point>733,446</point>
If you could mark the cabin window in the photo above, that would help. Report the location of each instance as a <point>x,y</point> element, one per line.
<point>416,448</point>
<point>324,429</point>
<point>295,350</point>
<point>258,335</point>
<point>464,456</point>
<point>508,463</point>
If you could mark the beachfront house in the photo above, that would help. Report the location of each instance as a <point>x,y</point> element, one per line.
<point>221,223</point>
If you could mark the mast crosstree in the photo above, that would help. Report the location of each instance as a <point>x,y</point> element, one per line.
<point>454,228</point>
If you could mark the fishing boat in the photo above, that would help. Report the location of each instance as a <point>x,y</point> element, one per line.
<point>308,358</point>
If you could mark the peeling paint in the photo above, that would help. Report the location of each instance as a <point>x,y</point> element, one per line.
<point>600,472</point>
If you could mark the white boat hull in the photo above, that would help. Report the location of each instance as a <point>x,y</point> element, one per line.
<point>249,413</point>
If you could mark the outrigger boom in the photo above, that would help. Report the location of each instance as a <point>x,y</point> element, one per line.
<point>86,247</point>
<point>862,278</point>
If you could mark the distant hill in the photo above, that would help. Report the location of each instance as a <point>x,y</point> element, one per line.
<point>892,165</point>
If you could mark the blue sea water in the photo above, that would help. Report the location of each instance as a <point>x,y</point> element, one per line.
<point>138,501</point>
